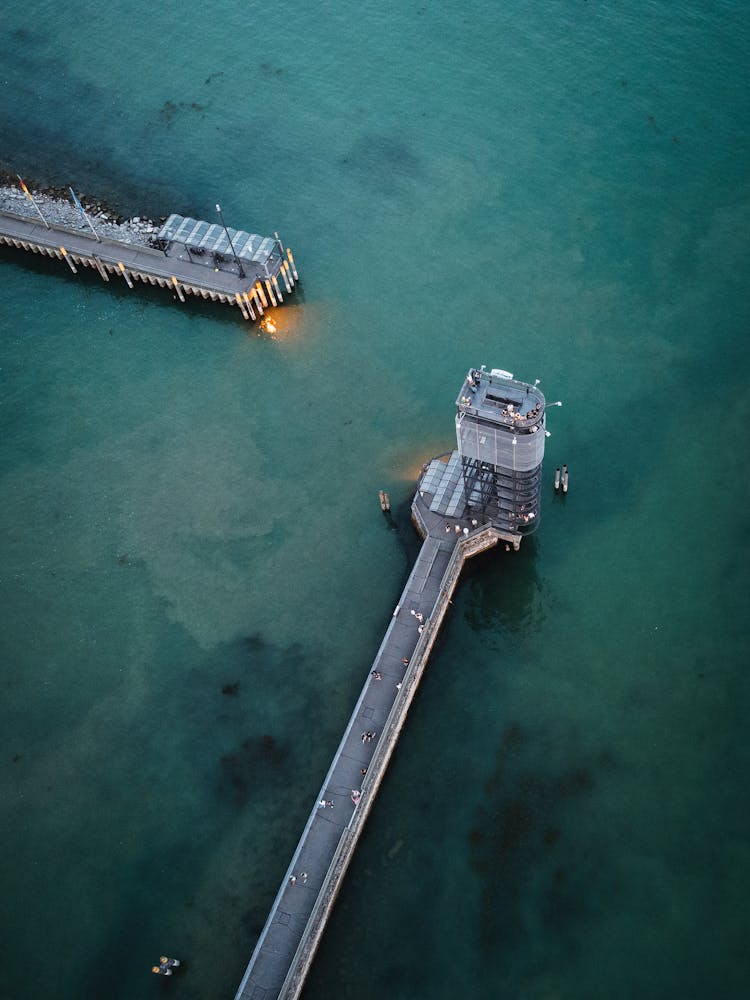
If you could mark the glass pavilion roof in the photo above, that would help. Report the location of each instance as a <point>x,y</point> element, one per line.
<point>212,238</point>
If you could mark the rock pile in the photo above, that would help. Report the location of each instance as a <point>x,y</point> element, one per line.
<point>57,207</point>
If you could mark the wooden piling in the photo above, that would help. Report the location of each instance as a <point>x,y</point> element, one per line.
<point>276,288</point>
<point>125,274</point>
<point>291,261</point>
<point>241,304</point>
<point>249,304</point>
<point>285,276</point>
<point>176,284</point>
<point>557,479</point>
<point>69,262</point>
<point>271,296</point>
<point>565,479</point>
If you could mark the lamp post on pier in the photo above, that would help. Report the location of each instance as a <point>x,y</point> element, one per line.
<point>239,265</point>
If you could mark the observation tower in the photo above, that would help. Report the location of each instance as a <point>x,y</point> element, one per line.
<point>494,476</point>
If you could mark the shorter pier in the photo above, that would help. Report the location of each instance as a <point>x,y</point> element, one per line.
<point>300,911</point>
<point>193,258</point>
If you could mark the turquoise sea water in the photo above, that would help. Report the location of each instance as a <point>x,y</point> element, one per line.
<point>560,189</point>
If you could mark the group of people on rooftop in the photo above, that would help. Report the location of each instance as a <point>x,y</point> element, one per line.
<point>515,414</point>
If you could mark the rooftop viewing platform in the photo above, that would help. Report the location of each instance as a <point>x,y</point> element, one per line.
<point>499,398</point>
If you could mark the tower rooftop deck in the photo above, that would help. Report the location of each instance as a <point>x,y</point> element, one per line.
<point>500,399</point>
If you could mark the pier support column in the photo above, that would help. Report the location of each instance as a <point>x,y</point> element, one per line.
<point>68,261</point>
<point>276,287</point>
<point>176,284</point>
<point>262,294</point>
<point>257,301</point>
<point>125,274</point>
<point>241,304</point>
<point>291,262</point>
<point>249,304</point>
<point>270,292</point>
<point>285,276</point>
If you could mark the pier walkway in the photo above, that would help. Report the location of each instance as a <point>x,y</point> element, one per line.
<point>138,262</point>
<point>286,947</point>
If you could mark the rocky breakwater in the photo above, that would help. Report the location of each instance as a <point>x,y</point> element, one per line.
<point>57,207</point>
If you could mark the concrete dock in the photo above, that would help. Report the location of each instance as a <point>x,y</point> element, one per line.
<point>286,947</point>
<point>174,268</point>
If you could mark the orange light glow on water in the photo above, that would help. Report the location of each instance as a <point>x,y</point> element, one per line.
<point>408,466</point>
<point>288,324</point>
<point>267,325</point>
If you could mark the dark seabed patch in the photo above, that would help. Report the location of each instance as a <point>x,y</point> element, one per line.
<point>170,109</point>
<point>238,771</point>
<point>507,595</point>
<point>383,162</point>
<point>531,869</point>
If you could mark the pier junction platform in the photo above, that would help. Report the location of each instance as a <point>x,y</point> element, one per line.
<point>192,258</point>
<point>455,523</point>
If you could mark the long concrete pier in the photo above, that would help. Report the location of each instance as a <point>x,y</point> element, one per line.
<point>287,945</point>
<point>175,269</point>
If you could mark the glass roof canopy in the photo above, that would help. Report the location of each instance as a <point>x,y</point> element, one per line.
<point>209,237</point>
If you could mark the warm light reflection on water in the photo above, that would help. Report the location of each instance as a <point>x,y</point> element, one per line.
<point>293,322</point>
<point>407,466</point>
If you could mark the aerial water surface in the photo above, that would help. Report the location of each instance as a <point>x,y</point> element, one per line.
<point>194,571</point>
